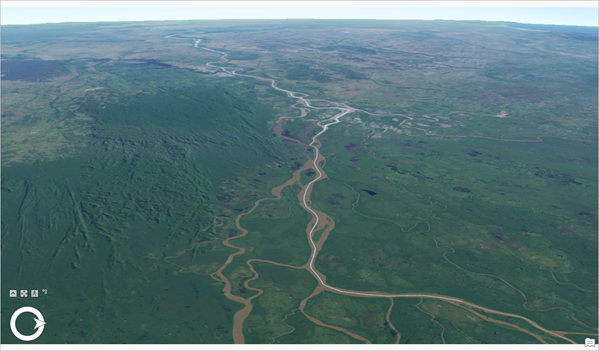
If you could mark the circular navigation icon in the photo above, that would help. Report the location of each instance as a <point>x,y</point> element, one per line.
<point>39,323</point>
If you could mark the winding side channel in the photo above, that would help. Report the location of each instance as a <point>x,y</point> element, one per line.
<point>317,223</point>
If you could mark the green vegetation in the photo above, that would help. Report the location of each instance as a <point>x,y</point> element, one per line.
<point>201,109</point>
<point>241,56</point>
<point>103,230</point>
<point>284,288</point>
<point>365,317</point>
<point>94,233</point>
<point>303,72</point>
<point>468,170</point>
<point>40,33</point>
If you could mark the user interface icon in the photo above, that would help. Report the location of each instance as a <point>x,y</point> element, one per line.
<point>39,323</point>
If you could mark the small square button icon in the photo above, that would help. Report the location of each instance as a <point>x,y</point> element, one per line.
<point>588,342</point>
<point>23,293</point>
<point>13,293</point>
<point>34,293</point>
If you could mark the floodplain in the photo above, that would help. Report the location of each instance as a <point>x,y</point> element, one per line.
<point>160,180</point>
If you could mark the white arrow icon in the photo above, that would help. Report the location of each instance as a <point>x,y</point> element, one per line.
<point>39,323</point>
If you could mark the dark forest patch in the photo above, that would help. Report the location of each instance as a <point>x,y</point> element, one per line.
<point>193,108</point>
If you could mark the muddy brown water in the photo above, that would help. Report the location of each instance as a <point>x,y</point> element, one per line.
<point>326,224</point>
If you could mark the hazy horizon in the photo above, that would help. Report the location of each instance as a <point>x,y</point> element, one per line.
<point>570,16</point>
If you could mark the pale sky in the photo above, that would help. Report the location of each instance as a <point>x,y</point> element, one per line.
<point>579,13</point>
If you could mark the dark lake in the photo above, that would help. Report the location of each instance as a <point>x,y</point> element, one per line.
<point>32,70</point>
